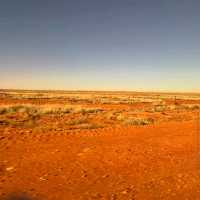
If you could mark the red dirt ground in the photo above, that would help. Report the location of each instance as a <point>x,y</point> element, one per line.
<point>153,162</point>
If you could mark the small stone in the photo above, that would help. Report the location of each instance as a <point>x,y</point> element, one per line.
<point>42,179</point>
<point>84,176</point>
<point>178,187</point>
<point>9,168</point>
<point>86,150</point>
<point>105,176</point>
<point>124,192</point>
<point>113,197</point>
<point>169,190</point>
<point>180,175</point>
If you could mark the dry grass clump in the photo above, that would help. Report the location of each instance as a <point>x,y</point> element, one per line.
<point>87,110</point>
<point>88,126</point>
<point>82,123</point>
<point>12,109</point>
<point>138,121</point>
<point>64,109</point>
<point>113,115</point>
<point>55,109</point>
<point>159,108</point>
<point>184,107</point>
<point>90,110</point>
<point>19,115</point>
<point>77,121</point>
<point>46,109</point>
<point>25,114</point>
<point>110,115</point>
<point>191,106</point>
<point>3,111</point>
<point>172,107</point>
<point>120,117</point>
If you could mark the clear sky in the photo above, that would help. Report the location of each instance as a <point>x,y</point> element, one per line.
<point>100,44</point>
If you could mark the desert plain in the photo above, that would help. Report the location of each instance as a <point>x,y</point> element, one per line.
<point>84,145</point>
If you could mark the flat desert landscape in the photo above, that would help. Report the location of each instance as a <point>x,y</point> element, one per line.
<point>84,145</point>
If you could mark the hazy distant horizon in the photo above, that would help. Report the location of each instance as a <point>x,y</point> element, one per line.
<point>129,45</point>
<point>101,90</point>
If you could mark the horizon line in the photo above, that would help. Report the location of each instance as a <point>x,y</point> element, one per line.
<point>102,90</point>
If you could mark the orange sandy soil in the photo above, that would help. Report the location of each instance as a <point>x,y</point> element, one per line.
<point>156,161</point>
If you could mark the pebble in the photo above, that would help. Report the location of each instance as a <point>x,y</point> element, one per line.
<point>9,168</point>
<point>42,179</point>
<point>86,150</point>
<point>180,175</point>
<point>105,176</point>
<point>124,192</point>
<point>113,197</point>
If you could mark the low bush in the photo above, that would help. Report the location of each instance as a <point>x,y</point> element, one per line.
<point>138,121</point>
<point>77,121</point>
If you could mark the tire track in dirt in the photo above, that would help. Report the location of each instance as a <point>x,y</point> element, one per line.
<point>8,140</point>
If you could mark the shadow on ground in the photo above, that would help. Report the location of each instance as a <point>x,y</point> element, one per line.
<point>18,197</point>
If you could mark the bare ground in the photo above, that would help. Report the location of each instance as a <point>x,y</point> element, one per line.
<point>152,162</point>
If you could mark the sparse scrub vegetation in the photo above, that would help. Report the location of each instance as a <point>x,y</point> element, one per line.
<point>191,106</point>
<point>12,109</point>
<point>159,108</point>
<point>55,110</point>
<point>3,111</point>
<point>172,107</point>
<point>46,109</point>
<point>89,110</point>
<point>138,121</point>
<point>87,126</point>
<point>120,117</point>
<point>82,110</point>
<point>77,121</point>
<point>110,115</point>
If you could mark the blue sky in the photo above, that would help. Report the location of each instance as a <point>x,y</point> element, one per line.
<point>100,45</point>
